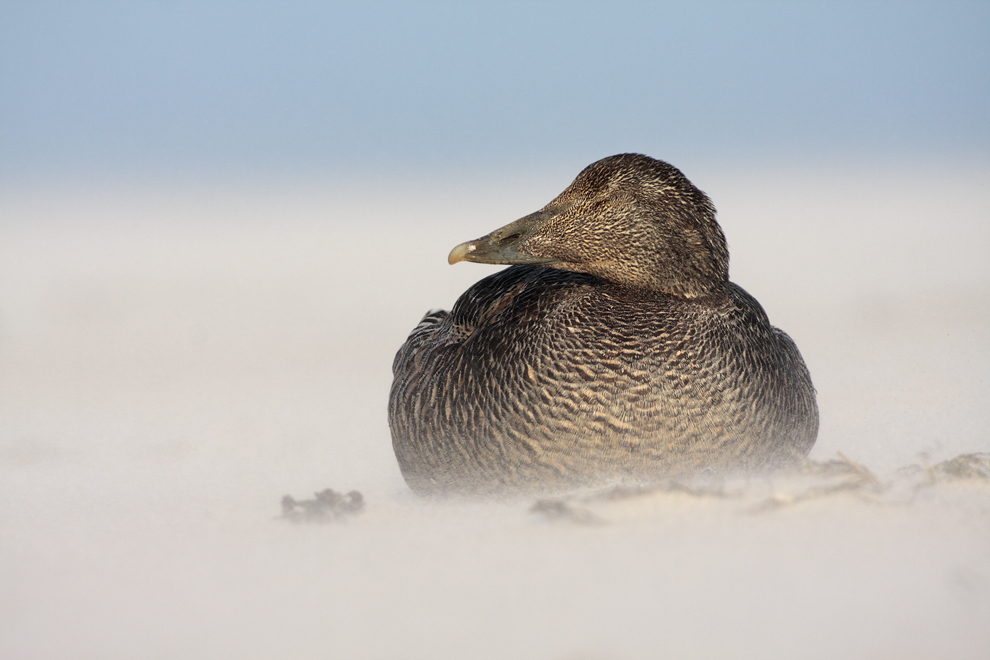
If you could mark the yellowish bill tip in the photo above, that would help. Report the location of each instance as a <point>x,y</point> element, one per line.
<point>461,252</point>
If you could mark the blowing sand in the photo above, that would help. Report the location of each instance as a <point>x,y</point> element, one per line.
<point>174,360</point>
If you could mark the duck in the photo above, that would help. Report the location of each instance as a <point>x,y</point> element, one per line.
<point>612,350</point>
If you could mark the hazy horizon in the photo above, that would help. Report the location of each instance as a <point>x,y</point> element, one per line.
<point>207,91</point>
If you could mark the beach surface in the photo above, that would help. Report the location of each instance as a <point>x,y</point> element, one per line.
<point>176,358</point>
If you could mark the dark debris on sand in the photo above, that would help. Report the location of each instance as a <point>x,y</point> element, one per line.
<point>327,506</point>
<point>841,475</point>
<point>561,510</point>
<point>814,480</point>
<point>964,466</point>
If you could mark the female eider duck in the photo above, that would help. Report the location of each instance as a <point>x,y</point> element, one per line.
<point>614,348</point>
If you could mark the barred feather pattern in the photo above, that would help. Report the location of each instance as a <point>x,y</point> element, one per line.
<point>541,379</point>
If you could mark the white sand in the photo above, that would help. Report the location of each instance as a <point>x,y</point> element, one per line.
<point>174,360</point>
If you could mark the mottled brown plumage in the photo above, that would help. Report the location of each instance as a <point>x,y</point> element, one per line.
<point>615,349</point>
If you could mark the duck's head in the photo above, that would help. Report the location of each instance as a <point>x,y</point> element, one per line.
<point>628,219</point>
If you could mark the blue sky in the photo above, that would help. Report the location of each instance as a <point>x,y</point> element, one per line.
<point>291,89</point>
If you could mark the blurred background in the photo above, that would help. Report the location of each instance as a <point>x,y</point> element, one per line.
<point>275,186</point>
<point>225,90</point>
<point>219,220</point>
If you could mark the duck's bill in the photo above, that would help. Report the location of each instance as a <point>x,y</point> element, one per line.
<point>503,246</point>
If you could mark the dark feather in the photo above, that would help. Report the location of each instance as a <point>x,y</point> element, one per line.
<point>542,378</point>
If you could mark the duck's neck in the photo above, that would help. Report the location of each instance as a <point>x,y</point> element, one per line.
<point>697,278</point>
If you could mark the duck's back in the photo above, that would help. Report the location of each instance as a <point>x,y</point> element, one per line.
<point>542,378</point>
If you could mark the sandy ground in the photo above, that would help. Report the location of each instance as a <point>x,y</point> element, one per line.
<point>174,360</point>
